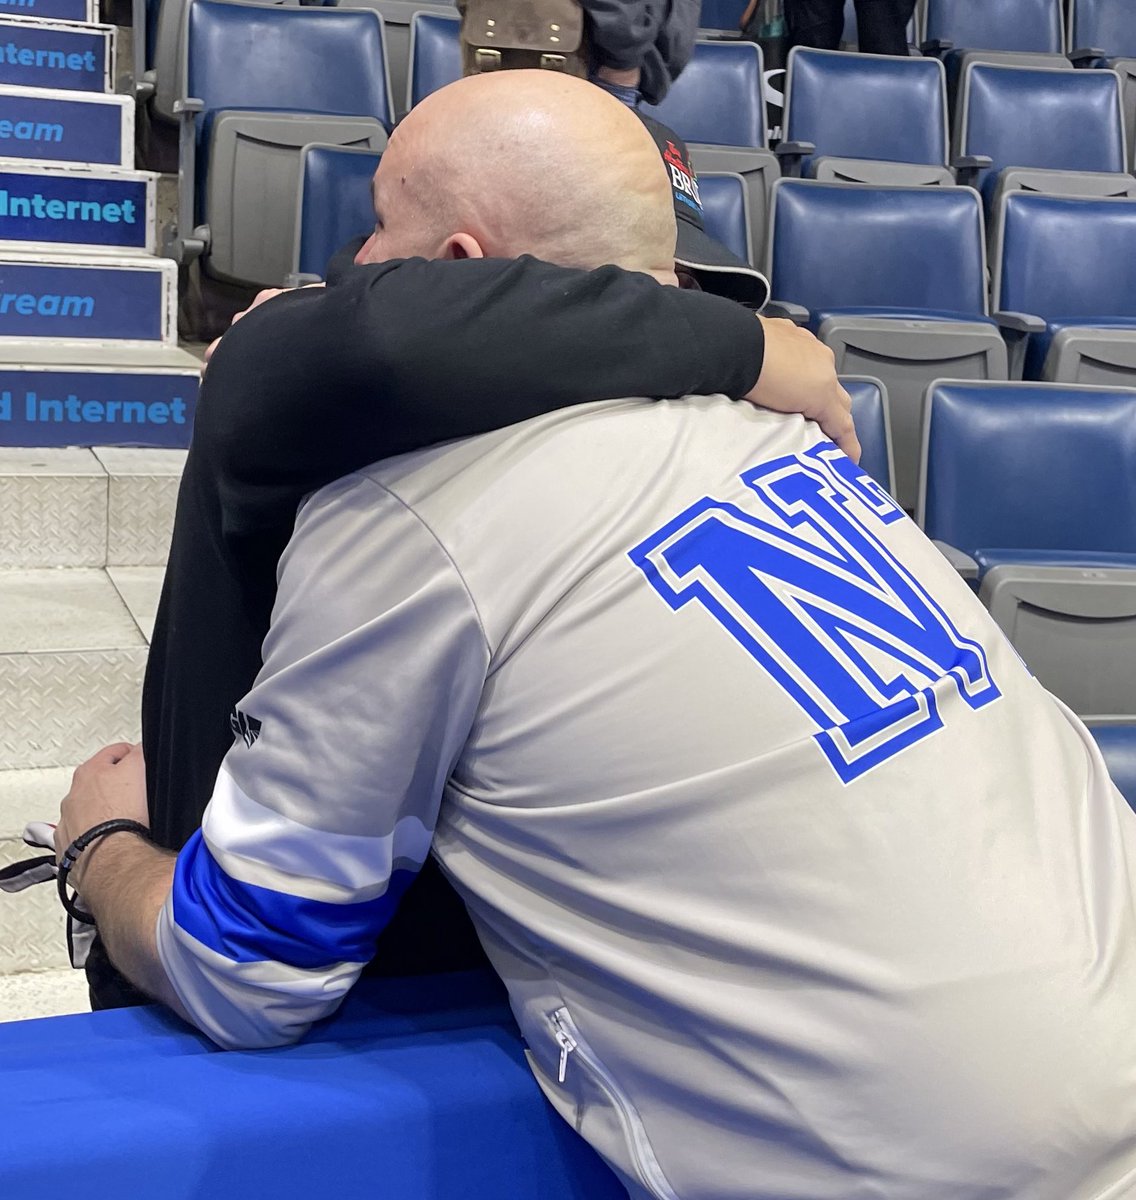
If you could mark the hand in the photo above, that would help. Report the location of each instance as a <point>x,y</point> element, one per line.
<point>799,376</point>
<point>258,300</point>
<point>110,784</point>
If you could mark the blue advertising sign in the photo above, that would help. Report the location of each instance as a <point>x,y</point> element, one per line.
<point>44,127</point>
<point>49,300</point>
<point>50,54</point>
<point>57,10</point>
<point>75,208</point>
<point>45,407</point>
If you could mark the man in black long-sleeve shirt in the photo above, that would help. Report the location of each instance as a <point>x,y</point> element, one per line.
<point>388,358</point>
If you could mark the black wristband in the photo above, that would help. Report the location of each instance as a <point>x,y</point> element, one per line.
<point>71,854</point>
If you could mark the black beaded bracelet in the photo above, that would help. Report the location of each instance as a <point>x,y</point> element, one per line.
<point>103,829</point>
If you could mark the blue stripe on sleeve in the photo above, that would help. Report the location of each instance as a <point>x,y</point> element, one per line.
<point>247,923</point>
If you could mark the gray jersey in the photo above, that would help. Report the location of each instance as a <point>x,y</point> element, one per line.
<point>803,888</point>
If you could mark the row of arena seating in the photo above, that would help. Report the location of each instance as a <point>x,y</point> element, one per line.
<point>1049,545</point>
<point>717,105</point>
<point>891,271</point>
<point>1100,28</point>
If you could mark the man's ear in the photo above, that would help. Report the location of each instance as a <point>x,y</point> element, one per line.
<point>461,245</point>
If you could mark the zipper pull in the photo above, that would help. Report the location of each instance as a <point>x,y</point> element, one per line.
<point>564,1040</point>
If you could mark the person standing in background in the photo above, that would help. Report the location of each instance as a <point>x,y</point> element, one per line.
<point>882,24</point>
<point>634,49</point>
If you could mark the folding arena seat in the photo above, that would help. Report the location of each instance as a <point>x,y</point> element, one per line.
<point>1066,262</point>
<point>718,99</point>
<point>1036,485</point>
<point>1117,742</point>
<point>721,15</point>
<point>717,106</point>
<point>1044,131</point>
<point>1018,32</point>
<point>333,204</point>
<point>865,118</point>
<point>725,211</point>
<point>262,82</point>
<point>397,17</point>
<point>1102,33</point>
<point>873,427</point>
<point>894,281</point>
<point>435,54</point>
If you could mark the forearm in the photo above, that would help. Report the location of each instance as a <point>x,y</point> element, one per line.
<point>398,356</point>
<point>124,885</point>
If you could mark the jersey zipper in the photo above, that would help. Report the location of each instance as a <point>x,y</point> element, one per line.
<point>571,1045</point>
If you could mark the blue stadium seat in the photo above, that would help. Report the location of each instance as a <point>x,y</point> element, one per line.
<point>721,14</point>
<point>1106,26</point>
<point>1028,25</point>
<point>894,281</point>
<point>334,203</point>
<point>1025,33</point>
<point>1072,141</point>
<point>1068,261</point>
<point>1118,745</point>
<point>719,99</point>
<point>1102,33</point>
<point>1036,483</point>
<point>435,55</point>
<point>725,211</point>
<point>873,427</point>
<point>258,89</point>
<point>717,105</point>
<point>841,118</point>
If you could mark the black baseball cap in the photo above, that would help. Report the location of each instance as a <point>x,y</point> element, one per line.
<point>716,268</point>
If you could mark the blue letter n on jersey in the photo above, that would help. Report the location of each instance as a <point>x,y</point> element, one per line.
<point>805,585</point>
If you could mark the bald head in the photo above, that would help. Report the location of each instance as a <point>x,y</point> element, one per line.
<point>524,162</point>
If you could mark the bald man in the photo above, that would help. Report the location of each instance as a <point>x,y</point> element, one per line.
<point>802,887</point>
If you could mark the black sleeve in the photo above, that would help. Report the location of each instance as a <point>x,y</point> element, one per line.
<point>398,356</point>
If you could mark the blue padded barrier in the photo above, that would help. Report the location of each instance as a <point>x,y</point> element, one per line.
<point>416,1089</point>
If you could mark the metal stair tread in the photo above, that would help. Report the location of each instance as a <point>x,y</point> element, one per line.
<point>30,795</point>
<point>140,589</point>
<point>54,611</point>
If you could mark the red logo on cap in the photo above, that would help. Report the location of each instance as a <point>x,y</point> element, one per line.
<point>673,155</point>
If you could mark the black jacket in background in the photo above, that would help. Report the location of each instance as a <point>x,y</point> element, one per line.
<point>320,382</point>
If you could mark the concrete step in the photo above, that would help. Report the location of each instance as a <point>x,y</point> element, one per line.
<point>72,657</point>
<point>87,508</point>
<point>42,994</point>
<point>71,208</point>
<point>57,55</point>
<point>84,11</point>
<point>87,298</point>
<point>77,128</point>
<point>64,394</point>
<point>32,924</point>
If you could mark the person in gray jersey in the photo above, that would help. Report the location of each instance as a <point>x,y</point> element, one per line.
<point>802,887</point>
